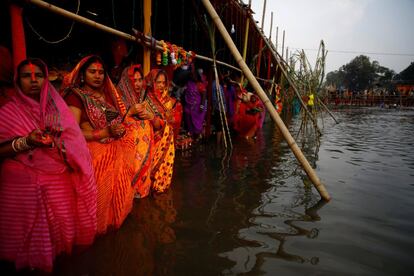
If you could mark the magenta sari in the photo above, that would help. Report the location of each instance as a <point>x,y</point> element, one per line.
<point>47,195</point>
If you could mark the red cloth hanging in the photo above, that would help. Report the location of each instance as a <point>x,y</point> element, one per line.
<point>17,30</point>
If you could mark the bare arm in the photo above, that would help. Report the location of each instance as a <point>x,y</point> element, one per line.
<point>6,149</point>
<point>87,130</point>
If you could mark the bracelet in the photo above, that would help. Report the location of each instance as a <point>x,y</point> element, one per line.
<point>96,134</point>
<point>13,145</point>
<point>20,144</point>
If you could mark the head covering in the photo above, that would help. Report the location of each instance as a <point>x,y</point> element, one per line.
<point>151,78</point>
<point>126,85</point>
<point>22,115</point>
<point>73,79</point>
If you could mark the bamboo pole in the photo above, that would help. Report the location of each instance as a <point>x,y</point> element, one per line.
<point>101,27</point>
<point>277,36</point>
<point>283,43</point>
<point>263,15</point>
<point>327,109</point>
<point>246,40</point>
<point>285,74</point>
<point>146,64</point>
<point>275,116</point>
<point>271,26</point>
<point>259,58</point>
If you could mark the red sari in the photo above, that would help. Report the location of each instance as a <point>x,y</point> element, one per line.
<point>248,116</point>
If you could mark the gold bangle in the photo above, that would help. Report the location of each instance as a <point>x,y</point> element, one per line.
<point>13,145</point>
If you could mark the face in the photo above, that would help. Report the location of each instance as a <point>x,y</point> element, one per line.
<point>137,80</point>
<point>160,82</point>
<point>31,80</point>
<point>94,76</point>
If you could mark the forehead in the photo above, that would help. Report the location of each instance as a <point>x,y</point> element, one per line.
<point>161,77</point>
<point>30,68</point>
<point>95,66</point>
<point>137,75</point>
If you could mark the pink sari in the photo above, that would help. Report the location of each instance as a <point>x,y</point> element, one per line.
<point>47,195</point>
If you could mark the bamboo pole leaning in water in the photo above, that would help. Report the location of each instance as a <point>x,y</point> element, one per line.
<point>327,109</point>
<point>275,116</point>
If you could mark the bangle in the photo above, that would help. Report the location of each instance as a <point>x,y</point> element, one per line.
<point>13,145</point>
<point>20,144</point>
<point>96,134</point>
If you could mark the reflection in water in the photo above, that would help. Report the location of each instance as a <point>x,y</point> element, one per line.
<point>270,239</point>
<point>254,211</point>
<point>144,245</point>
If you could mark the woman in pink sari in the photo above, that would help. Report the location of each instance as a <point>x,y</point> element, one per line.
<point>47,190</point>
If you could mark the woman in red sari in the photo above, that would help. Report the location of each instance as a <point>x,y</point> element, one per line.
<point>157,172</point>
<point>249,112</point>
<point>47,189</point>
<point>111,138</point>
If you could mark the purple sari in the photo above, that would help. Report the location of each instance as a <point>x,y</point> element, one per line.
<point>193,113</point>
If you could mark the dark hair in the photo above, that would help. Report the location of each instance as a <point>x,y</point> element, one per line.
<point>35,61</point>
<point>91,60</point>
<point>161,72</point>
<point>138,69</point>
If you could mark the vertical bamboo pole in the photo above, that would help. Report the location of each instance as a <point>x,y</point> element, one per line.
<point>263,15</point>
<point>275,116</point>
<point>271,26</point>
<point>283,43</point>
<point>147,31</point>
<point>277,36</point>
<point>269,55</point>
<point>246,39</point>
<point>287,54</point>
<point>259,58</point>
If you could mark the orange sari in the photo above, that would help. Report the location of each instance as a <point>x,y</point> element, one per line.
<point>117,163</point>
<point>170,112</point>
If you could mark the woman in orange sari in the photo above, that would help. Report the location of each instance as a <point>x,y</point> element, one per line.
<point>146,107</point>
<point>110,135</point>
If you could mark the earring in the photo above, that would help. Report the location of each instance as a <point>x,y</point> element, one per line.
<point>82,80</point>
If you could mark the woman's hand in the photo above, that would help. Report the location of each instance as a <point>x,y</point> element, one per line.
<point>117,130</point>
<point>142,112</point>
<point>38,138</point>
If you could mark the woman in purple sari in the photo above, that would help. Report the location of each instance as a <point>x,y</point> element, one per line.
<point>195,104</point>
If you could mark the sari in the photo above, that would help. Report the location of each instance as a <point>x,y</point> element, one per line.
<point>194,114</point>
<point>170,111</point>
<point>115,162</point>
<point>249,115</point>
<point>47,195</point>
<point>143,131</point>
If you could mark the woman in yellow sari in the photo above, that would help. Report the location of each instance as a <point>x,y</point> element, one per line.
<point>111,137</point>
<point>162,140</point>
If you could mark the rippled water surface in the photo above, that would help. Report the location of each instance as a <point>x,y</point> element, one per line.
<point>255,212</point>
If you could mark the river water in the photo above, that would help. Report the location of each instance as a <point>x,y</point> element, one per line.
<point>255,212</point>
